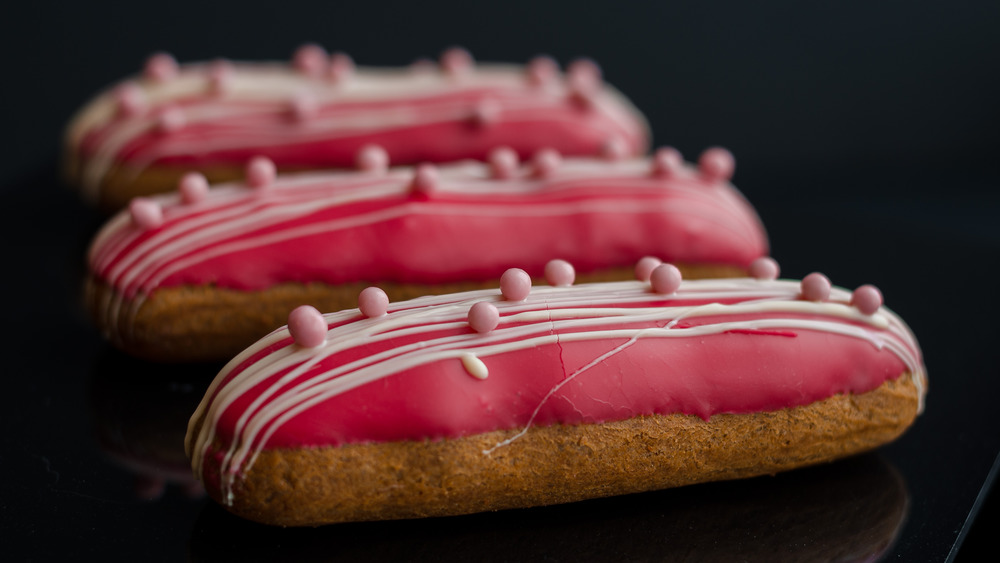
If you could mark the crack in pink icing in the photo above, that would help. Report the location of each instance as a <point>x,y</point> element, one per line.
<point>416,116</point>
<point>347,227</point>
<point>565,355</point>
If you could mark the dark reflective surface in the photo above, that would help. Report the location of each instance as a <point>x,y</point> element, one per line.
<point>865,136</point>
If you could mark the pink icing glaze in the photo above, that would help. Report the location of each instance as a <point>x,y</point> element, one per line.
<point>867,299</point>
<point>458,224</point>
<point>580,354</point>
<point>665,278</point>
<point>146,213</point>
<point>307,326</point>
<point>764,268</point>
<point>416,117</point>
<point>815,287</point>
<point>645,266</point>
<point>559,273</point>
<point>373,302</point>
<point>483,317</point>
<point>515,284</point>
<point>193,188</point>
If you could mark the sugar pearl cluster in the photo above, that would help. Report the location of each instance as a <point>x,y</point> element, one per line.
<point>308,328</point>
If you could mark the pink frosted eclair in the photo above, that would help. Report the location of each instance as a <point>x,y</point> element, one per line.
<point>526,396</point>
<point>203,273</point>
<point>317,111</point>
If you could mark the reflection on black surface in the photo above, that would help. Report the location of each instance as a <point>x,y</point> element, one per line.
<point>851,510</point>
<point>140,411</point>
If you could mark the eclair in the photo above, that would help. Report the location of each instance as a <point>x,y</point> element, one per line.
<point>537,395</point>
<point>317,111</point>
<point>200,274</point>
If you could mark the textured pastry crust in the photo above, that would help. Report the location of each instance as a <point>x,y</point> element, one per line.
<point>558,464</point>
<point>206,323</point>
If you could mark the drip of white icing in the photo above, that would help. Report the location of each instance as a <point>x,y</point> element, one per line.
<point>475,366</point>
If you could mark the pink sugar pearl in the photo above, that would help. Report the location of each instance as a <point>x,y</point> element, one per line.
<point>260,172</point>
<point>867,299</point>
<point>546,162</point>
<point>373,158</point>
<point>559,273</point>
<point>341,67</point>
<point>193,187</point>
<point>503,163</point>
<point>483,317</point>
<point>457,61</point>
<point>614,149</point>
<point>425,179</point>
<point>307,326</point>
<point>161,67</point>
<point>146,213</point>
<point>667,161</point>
<point>645,266</point>
<point>373,302</point>
<point>220,76</point>
<point>542,70</point>
<point>486,112</point>
<point>515,284</point>
<point>584,75</point>
<point>310,59</point>
<point>131,100</point>
<point>303,106</point>
<point>170,120</point>
<point>816,287</point>
<point>717,163</point>
<point>764,268</point>
<point>665,279</point>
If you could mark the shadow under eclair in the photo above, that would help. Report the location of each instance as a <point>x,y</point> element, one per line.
<point>850,510</point>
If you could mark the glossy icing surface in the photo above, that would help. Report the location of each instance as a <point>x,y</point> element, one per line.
<point>222,113</point>
<point>463,225</point>
<point>576,354</point>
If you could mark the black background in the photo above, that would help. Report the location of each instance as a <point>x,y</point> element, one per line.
<point>864,133</point>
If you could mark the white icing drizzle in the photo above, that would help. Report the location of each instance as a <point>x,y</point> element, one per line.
<point>590,312</point>
<point>258,92</point>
